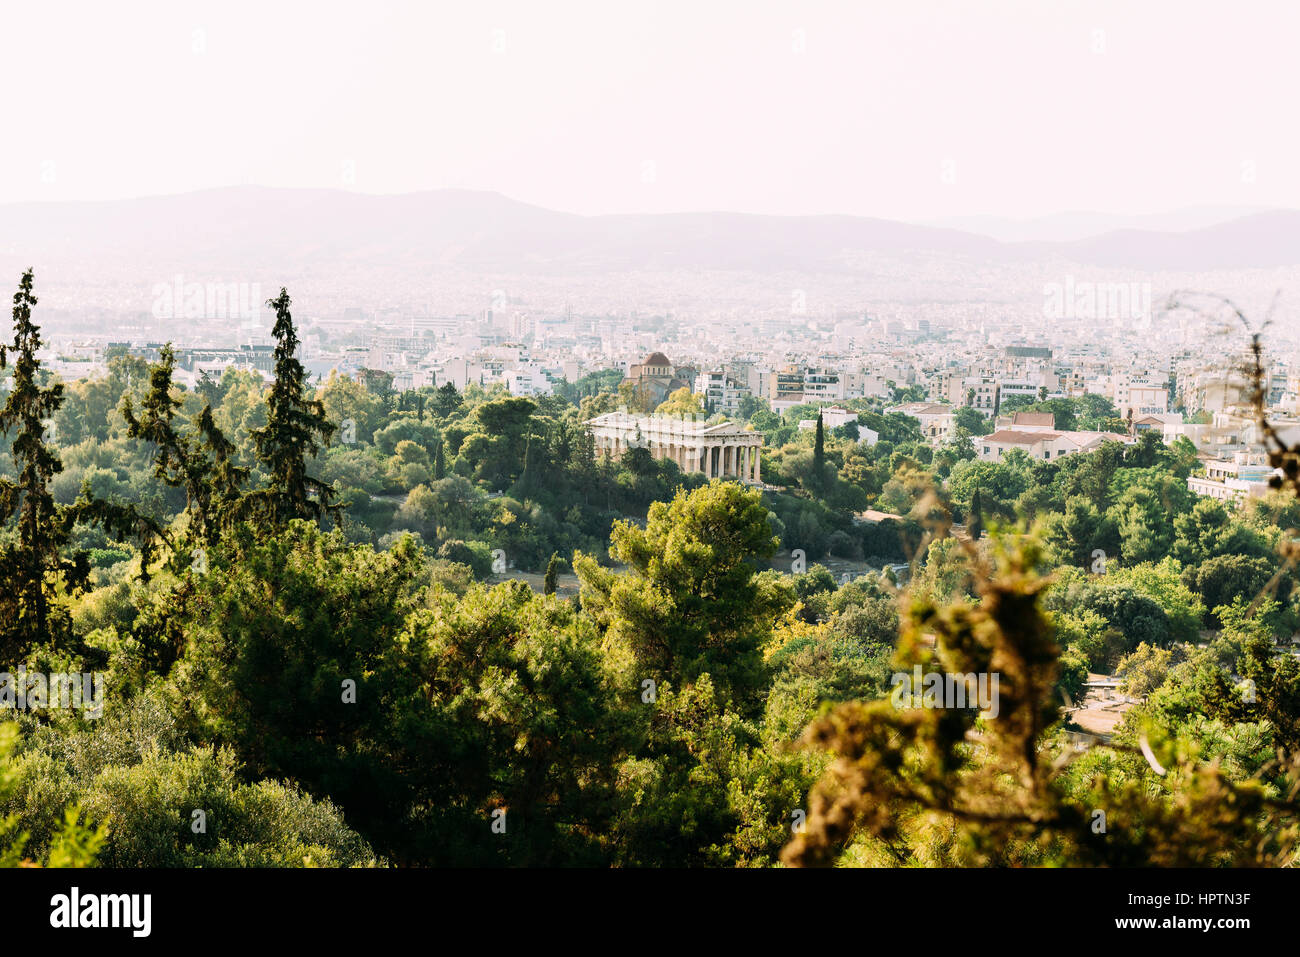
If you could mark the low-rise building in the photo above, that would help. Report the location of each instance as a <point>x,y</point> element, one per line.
<point>1043,445</point>
<point>1243,476</point>
<point>721,450</point>
<point>936,419</point>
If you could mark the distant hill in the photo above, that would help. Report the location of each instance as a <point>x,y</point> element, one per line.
<point>1262,240</point>
<point>484,231</point>
<point>1076,225</point>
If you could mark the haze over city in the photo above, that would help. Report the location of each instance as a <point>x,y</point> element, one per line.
<point>915,112</point>
<point>620,436</point>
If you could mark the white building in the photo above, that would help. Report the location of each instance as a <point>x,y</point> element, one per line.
<point>721,391</point>
<point>527,379</point>
<point>1042,445</point>
<point>1241,477</point>
<point>936,420</point>
<point>721,450</point>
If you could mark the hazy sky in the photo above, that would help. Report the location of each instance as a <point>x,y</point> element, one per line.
<point>910,110</point>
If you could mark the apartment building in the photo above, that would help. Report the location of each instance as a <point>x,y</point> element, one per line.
<point>936,420</point>
<point>527,379</point>
<point>1241,477</point>
<point>1041,445</point>
<point>722,392</point>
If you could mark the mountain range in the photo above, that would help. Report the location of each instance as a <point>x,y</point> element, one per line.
<point>485,231</point>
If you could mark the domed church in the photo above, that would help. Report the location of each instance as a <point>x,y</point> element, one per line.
<point>656,378</point>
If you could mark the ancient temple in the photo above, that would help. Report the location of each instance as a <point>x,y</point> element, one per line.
<point>720,450</point>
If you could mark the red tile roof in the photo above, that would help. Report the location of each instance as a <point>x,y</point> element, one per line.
<point>1016,437</point>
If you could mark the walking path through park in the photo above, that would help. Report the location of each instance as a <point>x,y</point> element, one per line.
<point>1102,708</point>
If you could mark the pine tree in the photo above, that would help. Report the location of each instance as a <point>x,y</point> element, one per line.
<point>35,567</point>
<point>976,524</point>
<point>200,461</point>
<point>446,400</point>
<point>296,428</point>
<point>30,566</point>
<point>552,575</point>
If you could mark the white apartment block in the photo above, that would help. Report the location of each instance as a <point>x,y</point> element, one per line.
<point>1041,445</point>
<point>1242,477</point>
<point>936,420</point>
<point>527,379</point>
<point>721,391</point>
<point>978,392</point>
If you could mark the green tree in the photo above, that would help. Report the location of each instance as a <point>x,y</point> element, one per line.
<point>40,562</point>
<point>446,400</point>
<point>296,429</point>
<point>691,603</point>
<point>439,462</point>
<point>819,455</point>
<point>71,842</point>
<point>682,402</point>
<point>293,651</point>
<point>974,422</point>
<point>32,565</point>
<point>904,786</point>
<point>201,461</point>
<point>552,575</point>
<point>1075,536</point>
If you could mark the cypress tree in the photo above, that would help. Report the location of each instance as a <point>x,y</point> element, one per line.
<point>439,462</point>
<point>552,575</point>
<point>296,428</point>
<point>819,454</point>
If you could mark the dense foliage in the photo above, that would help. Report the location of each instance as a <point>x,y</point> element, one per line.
<point>311,611</point>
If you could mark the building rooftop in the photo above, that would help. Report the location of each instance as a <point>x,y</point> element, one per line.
<point>1017,437</point>
<point>1035,419</point>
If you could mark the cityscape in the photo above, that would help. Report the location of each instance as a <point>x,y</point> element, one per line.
<point>457,462</point>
